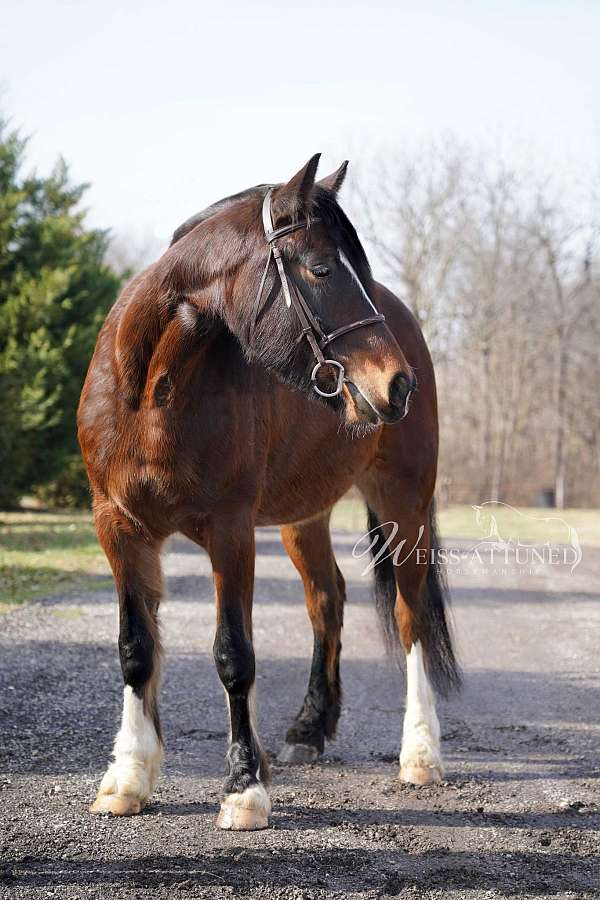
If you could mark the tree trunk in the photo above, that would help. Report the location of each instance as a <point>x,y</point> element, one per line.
<point>486,449</point>
<point>560,456</point>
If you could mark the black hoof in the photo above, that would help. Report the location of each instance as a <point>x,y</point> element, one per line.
<point>297,754</point>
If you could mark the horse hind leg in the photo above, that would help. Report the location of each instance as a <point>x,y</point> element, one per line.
<point>130,779</point>
<point>309,548</point>
<point>411,602</point>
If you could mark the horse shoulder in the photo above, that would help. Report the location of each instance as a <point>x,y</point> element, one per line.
<point>145,309</point>
<point>411,449</point>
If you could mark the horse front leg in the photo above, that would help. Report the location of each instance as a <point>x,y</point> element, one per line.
<point>246,804</point>
<point>129,781</point>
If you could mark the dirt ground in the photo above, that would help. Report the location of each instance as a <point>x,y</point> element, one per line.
<point>517,816</point>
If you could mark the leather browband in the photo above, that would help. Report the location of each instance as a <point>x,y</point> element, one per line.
<point>288,229</point>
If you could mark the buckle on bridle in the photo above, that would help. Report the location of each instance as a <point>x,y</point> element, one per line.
<point>340,378</point>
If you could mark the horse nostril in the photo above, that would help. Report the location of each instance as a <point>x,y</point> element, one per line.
<point>401,387</point>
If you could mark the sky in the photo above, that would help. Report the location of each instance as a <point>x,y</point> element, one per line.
<point>164,107</point>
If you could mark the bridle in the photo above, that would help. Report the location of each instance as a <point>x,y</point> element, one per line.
<point>311,328</point>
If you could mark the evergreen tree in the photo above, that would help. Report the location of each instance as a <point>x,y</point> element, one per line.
<point>55,290</point>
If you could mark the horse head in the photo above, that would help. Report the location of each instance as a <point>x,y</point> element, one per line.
<point>314,322</point>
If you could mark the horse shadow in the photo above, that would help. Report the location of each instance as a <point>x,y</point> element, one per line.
<point>62,699</point>
<point>346,870</point>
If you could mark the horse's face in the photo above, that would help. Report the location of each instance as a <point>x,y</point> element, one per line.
<point>327,265</point>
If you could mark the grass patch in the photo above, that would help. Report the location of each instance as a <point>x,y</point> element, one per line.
<point>349,514</point>
<point>461,522</point>
<point>532,525</point>
<point>46,553</point>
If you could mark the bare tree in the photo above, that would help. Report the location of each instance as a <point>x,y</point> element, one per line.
<point>412,214</point>
<point>505,286</point>
<point>567,257</point>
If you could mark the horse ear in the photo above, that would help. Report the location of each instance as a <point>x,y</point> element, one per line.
<point>290,198</point>
<point>334,181</point>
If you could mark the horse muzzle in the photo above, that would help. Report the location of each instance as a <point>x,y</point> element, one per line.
<point>389,410</point>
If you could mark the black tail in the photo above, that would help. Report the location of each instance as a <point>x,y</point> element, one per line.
<point>441,665</point>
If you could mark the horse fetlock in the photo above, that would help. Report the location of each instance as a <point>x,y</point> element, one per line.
<point>248,810</point>
<point>129,781</point>
<point>128,784</point>
<point>316,721</point>
<point>136,656</point>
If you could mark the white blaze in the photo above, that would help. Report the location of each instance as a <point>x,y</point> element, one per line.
<point>348,265</point>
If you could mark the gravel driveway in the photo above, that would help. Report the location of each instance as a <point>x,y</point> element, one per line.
<point>519,814</point>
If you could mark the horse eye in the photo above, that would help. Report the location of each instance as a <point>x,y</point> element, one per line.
<point>320,271</point>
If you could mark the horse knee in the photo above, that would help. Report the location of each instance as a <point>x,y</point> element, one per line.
<point>234,659</point>
<point>136,651</point>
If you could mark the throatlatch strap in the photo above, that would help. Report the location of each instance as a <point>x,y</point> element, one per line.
<point>282,275</point>
<point>258,298</point>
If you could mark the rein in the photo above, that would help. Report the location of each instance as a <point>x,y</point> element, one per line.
<point>311,328</point>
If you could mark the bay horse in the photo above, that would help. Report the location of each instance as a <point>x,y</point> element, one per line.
<point>250,377</point>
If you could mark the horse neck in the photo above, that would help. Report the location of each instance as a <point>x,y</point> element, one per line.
<point>176,303</point>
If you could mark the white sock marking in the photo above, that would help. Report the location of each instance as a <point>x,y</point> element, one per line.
<point>137,753</point>
<point>421,730</point>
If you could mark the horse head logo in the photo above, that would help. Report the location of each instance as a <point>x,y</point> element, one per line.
<point>504,527</point>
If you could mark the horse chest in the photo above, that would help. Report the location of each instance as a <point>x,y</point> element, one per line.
<point>303,478</point>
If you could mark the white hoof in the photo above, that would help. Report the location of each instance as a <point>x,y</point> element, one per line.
<point>127,786</point>
<point>248,811</point>
<point>420,763</point>
<point>421,775</point>
<point>116,805</point>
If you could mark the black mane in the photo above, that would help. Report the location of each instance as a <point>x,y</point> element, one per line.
<point>189,224</point>
<point>324,205</point>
